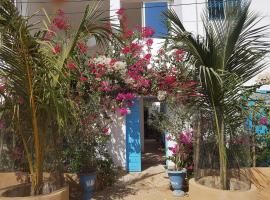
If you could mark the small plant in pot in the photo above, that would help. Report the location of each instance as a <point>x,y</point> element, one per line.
<point>182,158</point>
<point>80,159</point>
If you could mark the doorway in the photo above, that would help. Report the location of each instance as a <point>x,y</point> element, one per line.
<point>153,139</point>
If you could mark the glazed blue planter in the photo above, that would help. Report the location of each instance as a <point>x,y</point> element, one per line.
<point>87,182</point>
<point>177,179</point>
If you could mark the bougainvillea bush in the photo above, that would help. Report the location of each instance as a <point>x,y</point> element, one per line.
<point>126,70</point>
<point>108,81</point>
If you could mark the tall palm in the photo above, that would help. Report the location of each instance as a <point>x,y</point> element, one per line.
<point>230,53</point>
<point>35,80</point>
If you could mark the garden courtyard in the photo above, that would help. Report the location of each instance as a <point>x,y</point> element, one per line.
<point>100,107</point>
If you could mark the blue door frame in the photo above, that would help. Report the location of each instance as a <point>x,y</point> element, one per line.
<point>133,138</point>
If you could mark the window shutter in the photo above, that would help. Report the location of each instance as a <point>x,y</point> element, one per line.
<point>155,19</point>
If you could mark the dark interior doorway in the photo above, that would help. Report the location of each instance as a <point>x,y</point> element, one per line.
<point>153,137</point>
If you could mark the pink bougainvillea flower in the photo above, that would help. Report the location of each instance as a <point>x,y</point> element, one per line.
<point>263,121</point>
<point>126,50</point>
<point>188,84</point>
<point>149,42</point>
<point>120,97</point>
<point>129,96</point>
<point>147,32</point>
<point>91,65</point>
<point>2,87</point>
<point>128,34</point>
<point>2,124</point>
<point>105,130</point>
<point>60,12</point>
<point>175,149</point>
<point>82,47</point>
<point>190,167</point>
<point>113,61</point>
<point>161,52</point>
<point>121,11</point>
<point>71,65</point>
<point>83,78</point>
<point>169,138</point>
<point>195,94</point>
<point>130,103</point>
<point>20,100</point>
<point>179,55</point>
<point>49,34</point>
<point>57,49</point>
<point>147,56</point>
<point>145,82</point>
<point>186,137</point>
<point>105,86</point>
<point>169,79</point>
<point>123,96</point>
<point>123,111</point>
<point>61,23</point>
<point>134,75</point>
<point>179,52</point>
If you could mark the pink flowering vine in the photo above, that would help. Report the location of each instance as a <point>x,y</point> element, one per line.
<point>82,47</point>
<point>57,49</point>
<point>71,65</point>
<point>123,111</point>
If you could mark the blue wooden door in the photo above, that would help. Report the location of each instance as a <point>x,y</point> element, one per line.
<point>133,138</point>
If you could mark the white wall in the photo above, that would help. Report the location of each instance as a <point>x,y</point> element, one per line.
<point>117,144</point>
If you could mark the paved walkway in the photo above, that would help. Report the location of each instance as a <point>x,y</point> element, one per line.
<point>151,184</point>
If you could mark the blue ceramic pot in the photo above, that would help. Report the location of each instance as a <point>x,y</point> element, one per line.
<point>87,181</point>
<point>177,179</point>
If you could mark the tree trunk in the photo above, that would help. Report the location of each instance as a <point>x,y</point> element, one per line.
<point>219,122</point>
<point>254,149</point>
<point>197,144</point>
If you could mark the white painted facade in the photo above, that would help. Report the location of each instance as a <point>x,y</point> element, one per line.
<point>117,144</point>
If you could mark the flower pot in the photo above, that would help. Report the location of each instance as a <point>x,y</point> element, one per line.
<point>87,181</point>
<point>198,191</point>
<point>22,192</point>
<point>177,179</point>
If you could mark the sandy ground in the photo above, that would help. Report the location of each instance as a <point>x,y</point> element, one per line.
<point>151,184</point>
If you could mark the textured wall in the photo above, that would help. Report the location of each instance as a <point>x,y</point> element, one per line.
<point>117,144</point>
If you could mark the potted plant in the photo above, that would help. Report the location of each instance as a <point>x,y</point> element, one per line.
<point>35,82</point>
<point>223,59</point>
<point>79,158</point>
<point>182,159</point>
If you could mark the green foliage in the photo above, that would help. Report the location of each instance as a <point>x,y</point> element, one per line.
<point>263,151</point>
<point>229,54</point>
<point>36,81</point>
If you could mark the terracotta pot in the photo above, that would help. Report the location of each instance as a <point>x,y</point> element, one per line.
<point>8,179</point>
<point>60,194</point>
<point>201,192</point>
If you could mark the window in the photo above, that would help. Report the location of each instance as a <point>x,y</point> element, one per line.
<point>217,7</point>
<point>154,17</point>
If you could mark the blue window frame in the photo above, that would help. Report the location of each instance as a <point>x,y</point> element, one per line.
<point>217,8</point>
<point>155,19</point>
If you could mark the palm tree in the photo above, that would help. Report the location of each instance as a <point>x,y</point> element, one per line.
<point>231,52</point>
<point>36,85</point>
